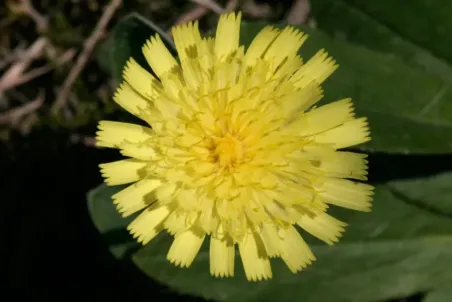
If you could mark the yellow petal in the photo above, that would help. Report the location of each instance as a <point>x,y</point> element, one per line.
<point>192,73</point>
<point>271,239</point>
<point>226,74</point>
<point>166,193</point>
<point>148,224</point>
<point>112,134</point>
<point>347,194</point>
<point>173,85</point>
<point>140,152</point>
<point>187,38</point>
<point>130,100</point>
<point>288,67</point>
<point>222,253</point>
<point>298,101</point>
<point>141,80</point>
<point>294,250</point>
<point>188,199</point>
<point>343,164</point>
<point>122,171</point>
<point>327,117</point>
<point>206,58</point>
<point>136,196</point>
<point>227,35</point>
<point>176,222</point>
<point>206,217</point>
<point>158,56</point>
<point>284,47</point>
<point>254,258</point>
<point>323,226</point>
<point>351,133</point>
<point>185,247</point>
<point>260,45</point>
<point>318,68</point>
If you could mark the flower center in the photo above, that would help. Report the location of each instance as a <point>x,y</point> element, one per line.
<point>227,150</point>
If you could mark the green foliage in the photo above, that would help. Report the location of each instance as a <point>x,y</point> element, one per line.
<point>421,38</point>
<point>440,295</point>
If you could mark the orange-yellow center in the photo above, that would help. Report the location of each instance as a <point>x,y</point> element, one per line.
<point>228,150</point>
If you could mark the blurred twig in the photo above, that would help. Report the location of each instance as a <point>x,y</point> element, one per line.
<point>14,116</point>
<point>210,4</point>
<point>13,75</point>
<point>203,8</point>
<point>88,141</point>
<point>26,7</point>
<point>256,10</point>
<point>194,14</point>
<point>90,43</point>
<point>65,57</point>
<point>299,12</point>
<point>11,56</point>
<point>231,5</point>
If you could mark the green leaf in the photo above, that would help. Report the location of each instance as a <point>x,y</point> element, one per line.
<point>433,193</point>
<point>127,38</point>
<point>408,108</point>
<point>396,250</point>
<point>378,26</point>
<point>440,295</point>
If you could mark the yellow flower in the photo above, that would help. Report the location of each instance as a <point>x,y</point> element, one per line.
<point>236,152</point>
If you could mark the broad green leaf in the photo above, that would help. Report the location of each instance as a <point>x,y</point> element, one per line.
<point>409,110</point>
<point>433,193</point>
<point>396,250</point>
<point>440,295</point>
<point>425,22</point>
<point>378,26</point>
<point>126,40</point>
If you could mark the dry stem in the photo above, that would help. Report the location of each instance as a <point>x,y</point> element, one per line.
<point>299,12</point>
<point>13,116</point>
<point>210,4</point>
<point>27,8</point>
<point>10,78</point>
<point>83,58</point>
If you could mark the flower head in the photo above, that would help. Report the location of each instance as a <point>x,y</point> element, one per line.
<point>235,150</point>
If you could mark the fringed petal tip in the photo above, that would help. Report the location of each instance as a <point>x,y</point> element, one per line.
<point>122,171</point>
<point>221,274</point>
<point>158,56</point>
<point>185,247</point>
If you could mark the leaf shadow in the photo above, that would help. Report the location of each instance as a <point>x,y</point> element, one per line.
<point>385,167</point>
<point>118,236</point>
